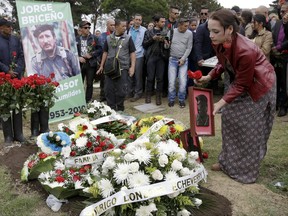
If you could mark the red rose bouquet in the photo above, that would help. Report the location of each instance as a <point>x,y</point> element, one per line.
<point>194,75</point>
<point>35,164</point>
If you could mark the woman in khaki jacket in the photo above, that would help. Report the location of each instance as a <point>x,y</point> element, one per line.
<point>261,36</point>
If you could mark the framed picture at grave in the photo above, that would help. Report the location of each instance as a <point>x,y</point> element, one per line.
<point>201,111</point>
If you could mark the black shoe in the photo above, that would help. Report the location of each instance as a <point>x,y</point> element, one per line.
<point>282,112</point>
<point>171,103</point>
<point>135,98</point>
<point>164,94</point>
<point>182,104</point>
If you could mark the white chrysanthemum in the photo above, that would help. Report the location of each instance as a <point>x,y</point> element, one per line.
<point>89,180</point>
<point>56,184</point>
<point>65,151</point>
<point>197,202</point>
<point>138,179</point>
<point>134,167</point>
<point>176,165</point>
<point>142,155</point>
<point>128,157</point>
<point>193,155</point>
<point>183,212</point>
<point>117,151</point>
<point>121,172</point>
<point>106,187</point>
<point>124,188</point>
<point>109,163</point>
<point>44,176</point>
<point>163,160</point>
<point>185,171</point>
<point>59,165</point>
<point>78,185</point>
<point>181,154</point>
<point>157,175</point>
<point>145,211</point>
<point>171,175</point>
<point>168,147</point>
<point>95,172</point>
<point>152,207</point>
<point>81,142</point>
<point>91,110</point>
<point>173,195</point>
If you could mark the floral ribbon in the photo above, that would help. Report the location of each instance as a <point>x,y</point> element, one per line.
<point>146,192</point>
<point>127,119</point>
<point>155,127</point>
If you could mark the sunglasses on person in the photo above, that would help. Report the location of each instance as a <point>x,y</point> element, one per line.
<point>176,13</point>
<point>204,14</point>
<point>86,27</point>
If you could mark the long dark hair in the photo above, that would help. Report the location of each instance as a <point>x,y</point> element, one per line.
<point>260,18</point>
<point>226,19</point>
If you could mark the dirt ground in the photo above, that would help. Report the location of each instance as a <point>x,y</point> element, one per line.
<point>254,199</point>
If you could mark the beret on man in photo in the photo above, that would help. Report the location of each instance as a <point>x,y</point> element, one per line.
<point>83,23</point>
<point>4,22</point>
<point>41,28</point>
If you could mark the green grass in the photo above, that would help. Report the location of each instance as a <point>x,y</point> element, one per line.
<point>14,201</point>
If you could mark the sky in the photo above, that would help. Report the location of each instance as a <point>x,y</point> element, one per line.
<point>244,3</point>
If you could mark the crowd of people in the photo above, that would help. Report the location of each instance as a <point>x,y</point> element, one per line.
<point>252,51</point>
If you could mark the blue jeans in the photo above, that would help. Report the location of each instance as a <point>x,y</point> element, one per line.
<point>173,70</point>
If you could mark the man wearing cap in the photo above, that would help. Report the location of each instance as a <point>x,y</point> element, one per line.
<point>89,49</point>
<point>11,62</point>
<point>52,58</point>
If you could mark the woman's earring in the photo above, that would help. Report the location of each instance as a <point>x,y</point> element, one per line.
<point>228,42</point>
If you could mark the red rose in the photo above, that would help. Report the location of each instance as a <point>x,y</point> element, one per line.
<point>89,144</point>
<point>98,138</point>
<point>42,155</point>
<point>72,153</point>
<point>97,149</point>
<point>84,127</point>
<point>14,53</point>
<point>194,75</point>
<point>82,134</point>
<point>123,146</point>
<point>169,26</point>
<point>72,171</point>
<point>205,155</point>
<point>59,179</point>
<point>52,75</point>
<point>132,136</point>
<point>177,140</point>
<point>172,130</point>
<point>110,146</point>
<point>102,144</point>
<point>87,167</point>
<point>76,178</point>
<point>108,33</point>
<point>58,171</point>
<point>31,164</point>
<point>82,170</point>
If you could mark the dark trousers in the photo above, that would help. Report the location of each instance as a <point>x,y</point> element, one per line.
<point>136,81</point>
<point>88,72</point>
<point>116,90</point>
<point>155,68</point>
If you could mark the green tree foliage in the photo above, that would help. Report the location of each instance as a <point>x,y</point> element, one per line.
<point>127,8</point>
